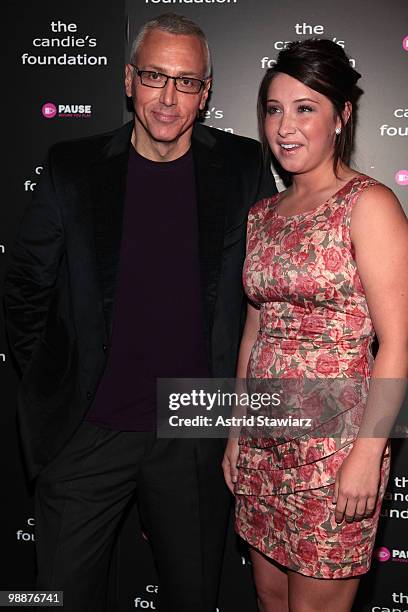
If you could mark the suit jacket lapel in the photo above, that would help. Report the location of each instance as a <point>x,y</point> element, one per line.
<point>211,198</point>
<point>108,181</point>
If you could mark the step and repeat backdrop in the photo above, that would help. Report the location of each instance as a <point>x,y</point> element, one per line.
<point>63,78</point>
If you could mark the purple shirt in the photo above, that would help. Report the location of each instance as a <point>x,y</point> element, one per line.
<point>157,329</point>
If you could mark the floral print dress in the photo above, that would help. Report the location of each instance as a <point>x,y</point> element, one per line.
<point>314,324</point>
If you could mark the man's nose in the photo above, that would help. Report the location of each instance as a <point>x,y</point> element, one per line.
<point>168,95</point>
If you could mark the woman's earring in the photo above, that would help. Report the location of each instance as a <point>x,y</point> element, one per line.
<point>338,131</point>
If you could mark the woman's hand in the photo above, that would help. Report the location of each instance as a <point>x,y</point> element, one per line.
<point>356,487</point>
<point>229,463</point>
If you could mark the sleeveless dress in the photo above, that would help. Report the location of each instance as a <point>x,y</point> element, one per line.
<point>301,273</point>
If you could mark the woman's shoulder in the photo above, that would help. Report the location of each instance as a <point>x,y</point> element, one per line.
<point>263,205</point>
<point>362,182</point>
<point>365,192</point>
<point>375,205</point>
<point>369,189</point>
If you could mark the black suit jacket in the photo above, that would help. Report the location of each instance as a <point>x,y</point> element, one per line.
<point>62,277</point>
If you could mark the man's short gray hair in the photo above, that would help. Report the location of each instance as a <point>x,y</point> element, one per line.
<point>173,24</point>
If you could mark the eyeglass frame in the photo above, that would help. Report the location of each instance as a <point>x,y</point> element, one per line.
<point>175,79</point>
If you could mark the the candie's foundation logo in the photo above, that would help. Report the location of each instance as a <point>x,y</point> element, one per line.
<point>401,177</point>
<point>405,43</point>
<point>63,111</point>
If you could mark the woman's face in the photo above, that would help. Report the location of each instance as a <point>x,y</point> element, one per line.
<point>300,125</point>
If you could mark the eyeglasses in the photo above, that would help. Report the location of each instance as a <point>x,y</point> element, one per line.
<point>151,78</point>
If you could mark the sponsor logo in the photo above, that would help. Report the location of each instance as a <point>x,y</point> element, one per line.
<point>395,554</point>
<point>401,177</point>
<point>71,39</point>
<point>63,111</point>
<point>400,555</point>
<point>49,110</point>
<point>405,43</point>
<point>382,554</point>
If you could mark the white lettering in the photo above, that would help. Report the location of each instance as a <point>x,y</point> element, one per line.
<point>304,28</point>
<point>390,130</point>
<point>23,535</point>
<point>64,60</point>
<point>60,26</point>
<point>400,598</point>
<point>143,603</point>
<point>74,108</point>
<point>401,112</point>
<point>29,185</point>
<point>399,554</point>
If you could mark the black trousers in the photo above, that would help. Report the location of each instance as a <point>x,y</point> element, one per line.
<point>81,497</point>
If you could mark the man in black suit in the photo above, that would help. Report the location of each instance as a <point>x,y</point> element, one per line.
<point>127,268</point>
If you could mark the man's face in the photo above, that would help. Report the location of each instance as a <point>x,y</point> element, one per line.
<point>164,117</point>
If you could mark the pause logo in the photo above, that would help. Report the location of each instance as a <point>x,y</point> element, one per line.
<point>382,554</point>
<point>49,110</point>
<point>401,177</point>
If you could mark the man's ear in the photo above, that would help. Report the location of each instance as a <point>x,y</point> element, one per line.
<point>128,80</point>
<point>205,94</point>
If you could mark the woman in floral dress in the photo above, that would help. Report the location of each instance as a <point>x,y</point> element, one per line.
<point>326,268</point>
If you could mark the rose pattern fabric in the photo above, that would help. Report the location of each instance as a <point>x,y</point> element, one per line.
<point>298,531</point>
<point>301,273</point>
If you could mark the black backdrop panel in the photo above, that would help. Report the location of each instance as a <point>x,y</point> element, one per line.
<point>69,55</point>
